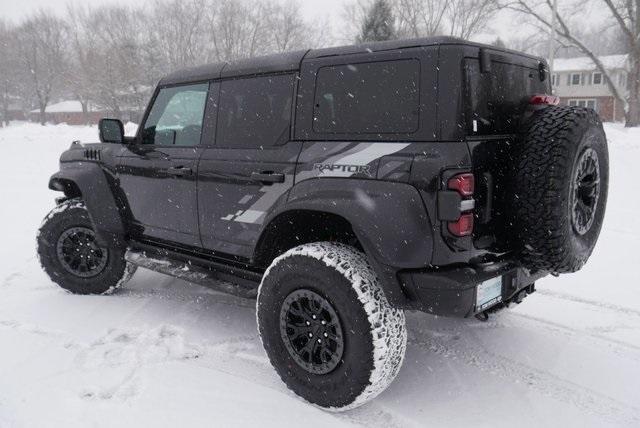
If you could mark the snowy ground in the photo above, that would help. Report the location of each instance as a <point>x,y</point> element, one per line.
<point>162,352</point>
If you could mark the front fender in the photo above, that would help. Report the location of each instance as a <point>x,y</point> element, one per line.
<point>91,182</point>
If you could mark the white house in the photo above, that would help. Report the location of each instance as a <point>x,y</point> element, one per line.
<point>577,82</point>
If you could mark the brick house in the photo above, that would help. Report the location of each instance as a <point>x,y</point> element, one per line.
<point>577,82</point>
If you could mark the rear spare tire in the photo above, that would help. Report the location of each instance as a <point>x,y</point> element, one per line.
<point>560,188</point>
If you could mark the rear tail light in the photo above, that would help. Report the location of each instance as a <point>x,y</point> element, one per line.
<point>544,99</point>
<point>464,184</point>
<point>463,226</point>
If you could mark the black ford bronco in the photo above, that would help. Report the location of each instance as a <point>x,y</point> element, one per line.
<point>340,187</point>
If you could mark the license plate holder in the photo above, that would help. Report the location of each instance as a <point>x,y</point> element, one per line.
<point>488,293</point>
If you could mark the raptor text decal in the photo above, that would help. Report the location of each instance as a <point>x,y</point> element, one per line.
<point>331,167</point>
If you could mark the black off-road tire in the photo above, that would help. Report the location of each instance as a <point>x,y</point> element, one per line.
<point>112,272</point>
<point>550,199</point>
<point>373,332</point>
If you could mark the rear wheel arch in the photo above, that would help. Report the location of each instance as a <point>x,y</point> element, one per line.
<point>273,242</point>
<point>294,227</point>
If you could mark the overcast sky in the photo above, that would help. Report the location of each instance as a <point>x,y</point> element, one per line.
<point>330,11</point>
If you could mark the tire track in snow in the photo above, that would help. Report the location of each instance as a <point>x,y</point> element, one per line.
<point>546,383</point>
<point>31,328</point>
<point>576,299</point>
<point>619,346</point>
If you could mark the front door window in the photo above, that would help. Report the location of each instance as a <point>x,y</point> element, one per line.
<point>176,116</point>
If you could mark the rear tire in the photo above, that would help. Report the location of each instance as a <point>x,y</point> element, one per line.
<point>71,257</point>
<point>329,292</point>
<point>561,179</point>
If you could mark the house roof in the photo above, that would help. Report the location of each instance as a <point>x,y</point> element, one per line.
<point>585,63</point>
<point>70,106</point>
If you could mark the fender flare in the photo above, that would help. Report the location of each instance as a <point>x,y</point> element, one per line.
<point>388,218</point>
<point>91,182</point>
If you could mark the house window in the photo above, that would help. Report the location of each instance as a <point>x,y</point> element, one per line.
<point>574,79</point>
<point>589,103</point>
<point>597,78</point>
<point>622,80</point>
<point>555,80</point>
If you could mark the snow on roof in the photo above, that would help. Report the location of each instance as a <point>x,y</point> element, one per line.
<point>584,63</point>
<point>70,106</point>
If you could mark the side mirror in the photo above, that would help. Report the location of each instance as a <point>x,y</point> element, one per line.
<point>111,131</point>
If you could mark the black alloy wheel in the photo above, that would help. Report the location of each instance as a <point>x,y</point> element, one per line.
<point>585,191</point>
<point>311,331</point>
<point>79,254</point>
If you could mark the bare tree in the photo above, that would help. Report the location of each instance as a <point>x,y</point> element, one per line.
<point>286,25</point>
<point>236,29</point>
<point>111,56</point>
<point>176,30</point>
<point>41,46</point>
<point>626,15</point>
<point>8,70</point>
<point>120,76</point>
<point>468,17</point>
<point>419,18</point>
<point>83,58</point>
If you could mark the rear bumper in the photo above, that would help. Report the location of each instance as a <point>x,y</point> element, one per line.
<point>451,291</point>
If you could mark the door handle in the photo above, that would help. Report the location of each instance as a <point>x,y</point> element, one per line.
<point>179,171</point>
<point>267,177</point>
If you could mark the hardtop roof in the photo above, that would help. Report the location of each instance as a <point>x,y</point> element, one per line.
<point>290,61</point>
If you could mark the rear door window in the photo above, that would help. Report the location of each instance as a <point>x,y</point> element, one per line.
<point>497,99</point>
<point>255,112</point>
<point>368,98</point>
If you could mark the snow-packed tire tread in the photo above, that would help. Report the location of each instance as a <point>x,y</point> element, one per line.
<point>43,258</point>
<point>387,324</point>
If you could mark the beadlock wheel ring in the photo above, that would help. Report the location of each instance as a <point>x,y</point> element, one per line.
<point>79,253</point>
<point>311,331</point>
<point>585,191</point>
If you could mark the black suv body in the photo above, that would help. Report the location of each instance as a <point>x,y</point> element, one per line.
<point>402,150</point>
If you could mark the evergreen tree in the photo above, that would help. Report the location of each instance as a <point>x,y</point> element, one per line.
<point>378,24</point>
<point>499,43</point>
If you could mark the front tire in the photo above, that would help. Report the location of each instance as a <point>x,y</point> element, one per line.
<point>327,326</point>
<point>70,255</point>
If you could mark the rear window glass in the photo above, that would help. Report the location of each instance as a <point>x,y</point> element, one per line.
<point>496,100</point>
<point>369,98</point>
